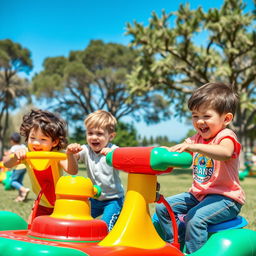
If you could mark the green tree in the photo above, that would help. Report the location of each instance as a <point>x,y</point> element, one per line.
<point>14,59</point>
<point>190,133</point>
<point>144,141</point>
<point>93,79</point>
<point>151,140</point>
<point>180,51</point>
<point>126,135</point>
<point>78,136</point>
<point>163,141</point>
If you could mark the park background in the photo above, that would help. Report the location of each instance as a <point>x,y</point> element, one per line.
<point>138,59</point>
<point>50,29</point>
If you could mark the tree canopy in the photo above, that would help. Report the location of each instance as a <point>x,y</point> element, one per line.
<point>92,79</point>
<point>168,58</point>
<point>183,50</point>
<point>14,59</point>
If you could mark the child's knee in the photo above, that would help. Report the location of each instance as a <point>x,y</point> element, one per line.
<point>193,221</point>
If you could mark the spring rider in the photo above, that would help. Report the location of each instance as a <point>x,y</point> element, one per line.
<point>71,231</point>
<point>134,233</point>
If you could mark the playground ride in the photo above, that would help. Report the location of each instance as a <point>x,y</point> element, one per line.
<point>250,166</point>
<point>5,176</point>
<point>71,231</point>
<point>2,171</point>
<point>245,172</point>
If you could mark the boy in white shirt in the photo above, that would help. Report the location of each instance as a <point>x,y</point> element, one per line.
<point>100,130</point>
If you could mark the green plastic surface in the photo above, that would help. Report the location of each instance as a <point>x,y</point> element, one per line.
<point>7,181</point>
<point>161,159</point>
<point>109,158</point>
<point>235,242</point>
<point>11,221</point>
<point>98,191</point>
<point>10,247</point>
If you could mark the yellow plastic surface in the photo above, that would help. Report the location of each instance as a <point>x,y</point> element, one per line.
<point>134,226</point>
<point>72,198</point>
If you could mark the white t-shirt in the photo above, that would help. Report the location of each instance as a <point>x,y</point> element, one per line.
<point>12,150</point>
<point>101,174</point>
<point>16,147</point>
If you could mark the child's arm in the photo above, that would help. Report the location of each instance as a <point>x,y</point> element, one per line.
<point>70,165</point>
<point>221,152</point>
<point>11,160</point>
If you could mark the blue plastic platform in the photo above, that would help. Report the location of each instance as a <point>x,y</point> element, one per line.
<point>238,222</point>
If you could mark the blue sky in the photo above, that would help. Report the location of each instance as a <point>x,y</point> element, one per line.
<point>54,28</point>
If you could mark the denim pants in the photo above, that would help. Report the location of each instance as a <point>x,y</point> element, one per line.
<point>17,178</point>
<point>109,209</point>
<point>213,209</point>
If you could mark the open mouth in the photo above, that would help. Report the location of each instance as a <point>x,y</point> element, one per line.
<point>95,144</point>
<point>204,130</point>
<point>37,149</point>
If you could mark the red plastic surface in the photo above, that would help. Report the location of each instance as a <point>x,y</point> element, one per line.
<point>135,160</point>
<point>92,249</point>
<point>45,179</point>
<point>75,230</point>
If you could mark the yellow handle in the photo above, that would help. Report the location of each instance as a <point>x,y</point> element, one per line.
<point>46,155</point>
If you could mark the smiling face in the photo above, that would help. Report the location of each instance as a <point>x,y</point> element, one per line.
<point>98,138</point>
<point>38,141</point>
<point>208,122</point>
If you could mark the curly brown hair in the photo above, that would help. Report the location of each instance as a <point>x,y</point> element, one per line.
<point>50,124</point>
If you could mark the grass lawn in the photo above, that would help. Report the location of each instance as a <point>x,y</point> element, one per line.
<point>176,182</point>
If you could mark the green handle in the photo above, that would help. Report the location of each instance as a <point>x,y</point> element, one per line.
<point>98,188</point>
<point>161,159</point>
<point>109,158</point>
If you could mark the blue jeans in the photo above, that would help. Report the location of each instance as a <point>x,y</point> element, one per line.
<point>17,178</point>
<point>109,209</point>
<point>213,209</point>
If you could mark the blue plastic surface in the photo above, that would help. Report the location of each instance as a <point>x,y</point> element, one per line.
<point>238,222</point>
